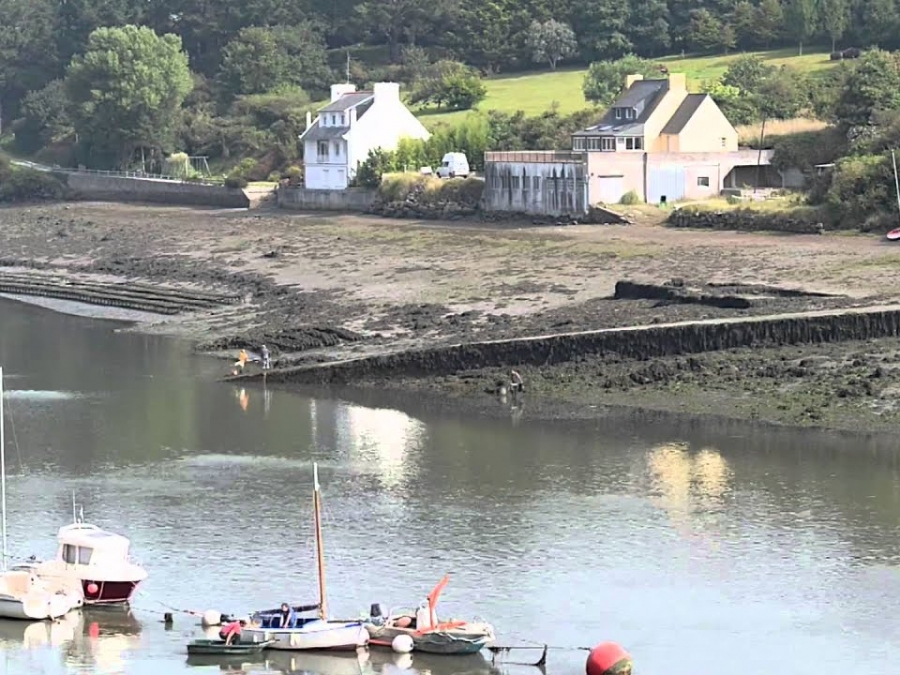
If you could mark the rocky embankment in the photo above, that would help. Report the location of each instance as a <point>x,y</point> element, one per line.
<point>747,220</point>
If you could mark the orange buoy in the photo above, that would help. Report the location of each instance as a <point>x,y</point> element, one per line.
<point>608,658</point>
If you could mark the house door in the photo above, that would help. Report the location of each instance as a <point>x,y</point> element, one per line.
<point>609,190</point>
<point>668,182</point>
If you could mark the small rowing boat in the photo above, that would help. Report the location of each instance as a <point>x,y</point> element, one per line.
<point>219,648</point>
<point>428,634</point>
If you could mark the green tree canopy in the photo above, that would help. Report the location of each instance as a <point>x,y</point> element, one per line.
<point>126,90</point>
<point>606,79</point>
<point>260,60</point>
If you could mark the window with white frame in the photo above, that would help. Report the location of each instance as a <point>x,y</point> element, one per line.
<point>337,148</point>
<point>634,143</point>
<point>593,144</point>
<point>629,113</point>
<point>608,144</point>
<point>322,149</point>
<point>702,181</point>
<point>618,113</point>
<point>578,144</point>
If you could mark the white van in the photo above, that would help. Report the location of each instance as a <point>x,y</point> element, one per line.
<point>454,165</point>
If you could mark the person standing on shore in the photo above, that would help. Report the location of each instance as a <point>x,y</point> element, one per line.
<point>264,352</point>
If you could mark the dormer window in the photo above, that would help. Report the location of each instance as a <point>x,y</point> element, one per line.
<point>618,113</point>
<point>629,113</point>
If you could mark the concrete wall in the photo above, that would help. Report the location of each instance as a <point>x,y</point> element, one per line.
<point>637,168</point>
<point>89,186</point>
<point>301,199</point>
<point>708,130</point>
<point>639,342</point>
<point>629,165</point>
<point>538,187</point>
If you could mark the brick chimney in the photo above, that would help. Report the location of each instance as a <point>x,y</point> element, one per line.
<point>631,79</point>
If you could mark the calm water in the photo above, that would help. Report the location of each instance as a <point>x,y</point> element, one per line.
<point>703,547</point>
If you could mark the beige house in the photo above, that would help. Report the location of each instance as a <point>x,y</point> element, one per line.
<point>665,144</point>
<point>659,116</point>
<point>657,140</point>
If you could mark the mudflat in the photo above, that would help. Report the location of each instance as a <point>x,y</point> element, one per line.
<point>321,287</point>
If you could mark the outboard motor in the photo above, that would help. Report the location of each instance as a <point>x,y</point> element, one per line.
<point>376,611</point>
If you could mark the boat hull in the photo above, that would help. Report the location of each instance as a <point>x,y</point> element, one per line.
<point>219,648</point>
<point>313,636</point>
<point>37,606</point>
<point>108,592</point>
<point>448,643</point>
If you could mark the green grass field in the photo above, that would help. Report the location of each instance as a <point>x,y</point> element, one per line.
<point>535,93</point>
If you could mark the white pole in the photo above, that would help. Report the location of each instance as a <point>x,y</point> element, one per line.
<point>2,471</point>
<point>896,180</point>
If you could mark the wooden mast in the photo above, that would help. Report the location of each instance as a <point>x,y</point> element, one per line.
<point>320,554</point>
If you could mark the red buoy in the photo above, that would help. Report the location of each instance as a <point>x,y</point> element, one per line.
<point>92,588</point>
<point>94,630</point>
<point>608,658</point>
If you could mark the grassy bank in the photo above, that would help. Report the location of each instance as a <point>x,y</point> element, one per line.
<point>533,93</point>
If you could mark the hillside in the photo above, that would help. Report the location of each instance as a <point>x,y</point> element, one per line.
<point>536,92</point>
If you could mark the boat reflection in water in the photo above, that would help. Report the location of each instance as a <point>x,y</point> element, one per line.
<point>37,634</point>
<point>375,662</point>
<point>102,638</point>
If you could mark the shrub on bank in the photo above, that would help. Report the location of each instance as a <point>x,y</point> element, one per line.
<point>28,185</point>
<point>430,190</point>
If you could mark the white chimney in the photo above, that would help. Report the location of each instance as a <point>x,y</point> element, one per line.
<point>338,90</point>
<point>352,120</point>
<point>386,91</point>
<point>308,119</point>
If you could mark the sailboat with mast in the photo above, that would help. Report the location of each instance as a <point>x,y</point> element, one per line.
<point>307,633</point>
<point>24,595</point>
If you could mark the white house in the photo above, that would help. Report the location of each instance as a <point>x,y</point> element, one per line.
<point>349,127</point>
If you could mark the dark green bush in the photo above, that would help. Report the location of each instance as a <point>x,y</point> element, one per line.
<point>28,185</point>
<point>235,181</point>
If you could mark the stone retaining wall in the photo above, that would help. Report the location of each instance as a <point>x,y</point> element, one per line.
<point>747,220</point>
<point>96,187</point>
<point>639,342</point>
<point>301,199</point>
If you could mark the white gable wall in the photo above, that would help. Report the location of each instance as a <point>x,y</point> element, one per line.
<point>383,125</point>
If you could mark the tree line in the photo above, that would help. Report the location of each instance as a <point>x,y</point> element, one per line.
<point>256,45</point>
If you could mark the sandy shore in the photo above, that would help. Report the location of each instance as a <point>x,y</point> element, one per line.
<point>321,287</point>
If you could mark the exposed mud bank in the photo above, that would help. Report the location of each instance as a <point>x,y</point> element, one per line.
<point>639,343</point>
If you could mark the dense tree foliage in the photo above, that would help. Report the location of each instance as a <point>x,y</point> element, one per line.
<point>126,90</point>
<point>113,80</point>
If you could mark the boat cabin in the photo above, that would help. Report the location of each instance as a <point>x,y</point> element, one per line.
<point>84,544</point>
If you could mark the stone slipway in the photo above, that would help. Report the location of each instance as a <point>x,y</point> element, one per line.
<point>636,342</point>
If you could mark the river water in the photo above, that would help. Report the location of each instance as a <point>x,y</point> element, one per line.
<point>703,547</point>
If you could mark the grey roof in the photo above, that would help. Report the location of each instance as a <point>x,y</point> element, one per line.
<point>684,113</point>
<point>348,101</point>
<point>319,133</point>
<point>648,92</point>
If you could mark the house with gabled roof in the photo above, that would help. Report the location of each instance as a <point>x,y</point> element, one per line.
<point>659,116</point>
<point>657,140</point>
<point>349,127</point>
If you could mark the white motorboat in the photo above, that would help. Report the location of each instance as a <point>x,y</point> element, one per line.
<point>96,560</point>
<point>307,633</point>
<point>23,594</point>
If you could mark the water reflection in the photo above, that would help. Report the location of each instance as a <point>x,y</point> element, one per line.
<point>381,440</point>
<point>102,640</point>
<point>688,480</point>
<point>375,662</point>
